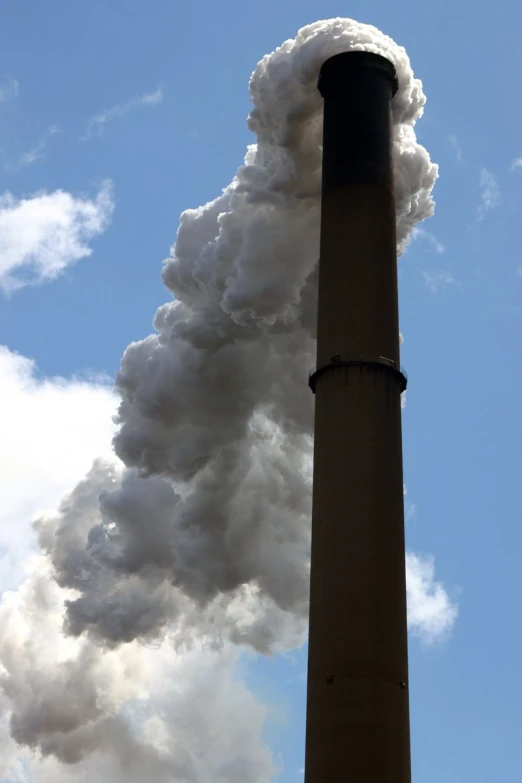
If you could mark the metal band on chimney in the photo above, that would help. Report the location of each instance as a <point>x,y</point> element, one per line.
<point>336,364</point>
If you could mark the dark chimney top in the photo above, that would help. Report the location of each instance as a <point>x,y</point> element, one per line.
<point>340,68</point>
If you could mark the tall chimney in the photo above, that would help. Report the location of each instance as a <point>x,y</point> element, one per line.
<point>357,708</point>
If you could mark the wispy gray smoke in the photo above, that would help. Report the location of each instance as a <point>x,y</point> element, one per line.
<point>204,534</point>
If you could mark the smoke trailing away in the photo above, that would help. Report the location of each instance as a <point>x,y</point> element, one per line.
<point>122,716</point>
<point>202,536</point>
<point>215,421</point>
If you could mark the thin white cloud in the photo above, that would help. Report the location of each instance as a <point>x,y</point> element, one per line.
<point>421,233</point>
<point>9,88</point>
<point>517,164</point>
<point>42,235</point>
<point>489,193</point>
<point>436,281</point>
<point>410,511</point>
<point>431,613</point>
<point>97,123</point>
<point>38,152</point>
<point>454,142</point>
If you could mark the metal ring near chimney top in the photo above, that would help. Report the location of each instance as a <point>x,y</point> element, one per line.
<point>336,363</point>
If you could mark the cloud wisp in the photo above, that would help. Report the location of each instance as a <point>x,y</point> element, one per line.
<point>9,89</point>
<point>457,149</point>
<point>436,281</point>
<point>420,233</point>
<point>489,193</point>
<point>42,235</point>
<point>38,152</point>
<point>96,124</point>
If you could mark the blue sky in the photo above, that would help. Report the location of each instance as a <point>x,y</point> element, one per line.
<point>153,98</point>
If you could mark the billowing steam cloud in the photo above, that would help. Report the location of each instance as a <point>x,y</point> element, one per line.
<point>216,417</point>
<point>204,534</point>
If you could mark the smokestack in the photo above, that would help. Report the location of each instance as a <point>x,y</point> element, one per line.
<point>357,709</point>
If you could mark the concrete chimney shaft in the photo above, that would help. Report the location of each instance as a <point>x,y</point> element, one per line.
<point>357,705</point>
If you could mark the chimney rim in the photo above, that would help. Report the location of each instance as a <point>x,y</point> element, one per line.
<point>343,65</point>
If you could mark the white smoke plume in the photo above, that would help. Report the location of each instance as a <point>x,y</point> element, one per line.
<point>203,537</point>
<point>215,423</point>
